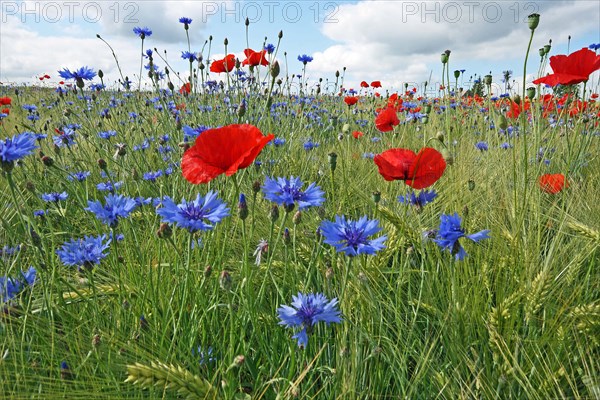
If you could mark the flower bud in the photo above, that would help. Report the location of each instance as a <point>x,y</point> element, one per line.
<point>547,48</point>
<point>471,184</point>
<point>440,136</point>
<point>256,187</point>
<point>332,158</point>
<point>457,74</point>
<point>517,99</point>
<point>48,161</point>
<point>448,156</point>
<point>286,237</point>
<point>225,42</point>
<point>102,163</point>
<point>241,110</point>
<point>280,35</point>
<point>531,92</point>
<point>164,231</point>
<point>225,281</point>
<point>100,74</point>
<point>207,271</point>
<point>275,69</point>
<point>274,214</point>
<point>487,80</point>
<point>297,218</point>
<point>242,207</point>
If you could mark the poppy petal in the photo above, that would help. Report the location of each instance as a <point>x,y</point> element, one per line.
<point>428,167</point>
<point>394,164</point>
<point>222,150</point>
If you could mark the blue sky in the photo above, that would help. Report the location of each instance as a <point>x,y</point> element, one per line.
<point>391,41</point>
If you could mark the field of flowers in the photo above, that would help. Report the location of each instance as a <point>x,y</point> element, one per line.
<point>248,233</point>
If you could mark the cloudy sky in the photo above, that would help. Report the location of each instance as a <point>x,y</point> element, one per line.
<point>393,41</point>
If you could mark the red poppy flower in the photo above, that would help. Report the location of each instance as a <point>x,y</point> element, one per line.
<point>571,69</point>
<point>357,134</point>
<point>41,78</point>
<point>364,84</point>
<point>224,65</point>
<point>376,84</point>
<point>222,151</point>
<point>61,82</point>
<point>416,170</point>
<point>254,58</point>
<point>351,100</point>
<point>6,111</point>
<point>377,94</point>
<point>47,76</point>
<point>387,119</point>
<point>553,183</point>
<point>185,88</point>
<point>5,101</point>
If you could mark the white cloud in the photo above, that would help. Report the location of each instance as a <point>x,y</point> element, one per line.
<point>401,41</point>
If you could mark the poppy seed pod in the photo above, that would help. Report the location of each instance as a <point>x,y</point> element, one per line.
<point>444,58</point>
<point>457,74</point>
<point>533,20</point>
<point>440,136</point>
<point>542,52</point>
<point>517,99</point>
<point>376,195</point>
<point>427,108</point>
<point>487,79</point>
<point>547,48</point>
<point>531,92</point>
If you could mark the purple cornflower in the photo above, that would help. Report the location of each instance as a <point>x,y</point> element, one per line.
<point>352,237</point>
<point>306,311</point>
<point>117,206</point>
<point>287,192</point>
<point>450,232</point>
<point>198,215</point>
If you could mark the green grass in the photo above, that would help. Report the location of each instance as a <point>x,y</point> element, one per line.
<point>518,318</point>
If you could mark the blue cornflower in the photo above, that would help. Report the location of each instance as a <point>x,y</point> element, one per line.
<point>152,176</point>
<point>309,145</point>
<point>82,73</point>
<point>30,108</point>
<point>107,134</point>
<point>15,148</point>
<point>270,48</point>
<point>424,197</point>
<point>67,138</point>
<point>305,59</point>
<point>11,287</point>
<point>142,32</point>
<point>206,356</point>
<point>54,197</point>
<point>186,22</point>
<point>39,213</point>
<point>306,311</point>
<point>109,186</point>
<point>482,146</point>
<point>277,142</point>
<point>186,55</point>
<point>83,252</point>
<point>79,176</point>
<point>352,237</point>
<point>287,192</point>
<point>506,145</point>
<point>449,233</point>
<point>195,215</point>
<point>117,206</point>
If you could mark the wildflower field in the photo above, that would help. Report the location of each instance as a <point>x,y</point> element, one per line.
<point>249,233</point>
